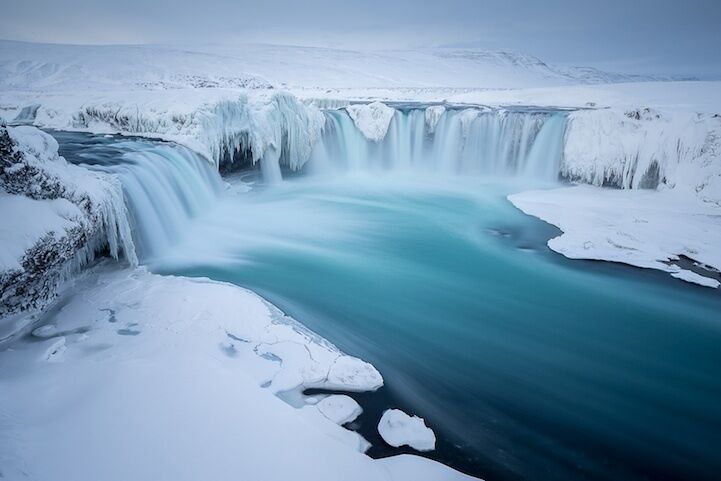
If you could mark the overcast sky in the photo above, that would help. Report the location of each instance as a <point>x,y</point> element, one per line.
<point>679,37</point>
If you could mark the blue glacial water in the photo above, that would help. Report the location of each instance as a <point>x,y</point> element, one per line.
<point>527,365</point>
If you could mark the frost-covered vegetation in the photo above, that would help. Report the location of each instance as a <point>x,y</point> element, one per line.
<point>56,218</point>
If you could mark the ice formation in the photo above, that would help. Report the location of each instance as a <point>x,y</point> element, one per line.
<point>165,186</point>
<point>77,214</point>
<point>398,428</point>
<point>433,115</point>
<point>371,119</point>
<point>645,148</point>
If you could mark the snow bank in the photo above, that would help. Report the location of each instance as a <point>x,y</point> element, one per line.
<point>398,429</point>
<point>372,119</point>
<point>169,372</point>
<point>640,228</point>
<point>56,217</point>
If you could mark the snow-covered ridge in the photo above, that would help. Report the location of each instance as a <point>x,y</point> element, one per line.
<point>55,218</point>
<point>50,66</point>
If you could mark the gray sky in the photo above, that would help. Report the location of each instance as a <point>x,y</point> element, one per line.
<point>678,37</point>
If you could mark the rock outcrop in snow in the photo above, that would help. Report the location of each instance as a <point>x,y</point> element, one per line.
<point>55,218</point>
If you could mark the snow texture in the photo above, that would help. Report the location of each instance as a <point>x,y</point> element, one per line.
<point>156,377</point>
<point>398,429</point>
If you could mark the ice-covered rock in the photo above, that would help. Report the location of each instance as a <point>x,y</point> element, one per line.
<point>645,148</point>
<point>372,119</point>
<point>55,218</point>
<point>432,115</point>
<point>339,408</point>
<point>398,428</point>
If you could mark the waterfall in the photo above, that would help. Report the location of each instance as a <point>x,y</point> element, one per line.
<point>164,185</point>
<point>459,141</point>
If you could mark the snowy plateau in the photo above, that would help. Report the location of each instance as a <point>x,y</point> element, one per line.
<point>115,345</point>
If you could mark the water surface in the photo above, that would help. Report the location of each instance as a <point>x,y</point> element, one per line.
<point>527,365</point>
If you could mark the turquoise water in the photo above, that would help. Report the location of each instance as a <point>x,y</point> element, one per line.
<point>527,366</point>
<point>533,368</point>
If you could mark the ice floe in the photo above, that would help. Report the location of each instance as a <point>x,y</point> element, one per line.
<point>398,429</point>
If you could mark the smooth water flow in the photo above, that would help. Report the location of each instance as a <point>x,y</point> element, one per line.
<point>458,141</point>
<point>527,365</point>
<point>165,186</point>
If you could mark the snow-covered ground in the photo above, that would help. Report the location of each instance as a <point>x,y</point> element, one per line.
<point>138,376</point>
<point>645,229</point>
<point>41,66</point>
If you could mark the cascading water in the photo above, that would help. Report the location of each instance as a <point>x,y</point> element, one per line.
<point>464,142</point>
<point>449,290</point>
<point>165,185</point>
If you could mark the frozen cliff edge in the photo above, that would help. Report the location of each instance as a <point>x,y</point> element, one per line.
<point>225,126</point>
<point>55,218</point>
<point>664,210</point>
<point>645,148</point>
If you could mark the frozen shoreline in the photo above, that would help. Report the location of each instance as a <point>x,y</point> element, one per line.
<point>157,366</point>
<point>646,229</point>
